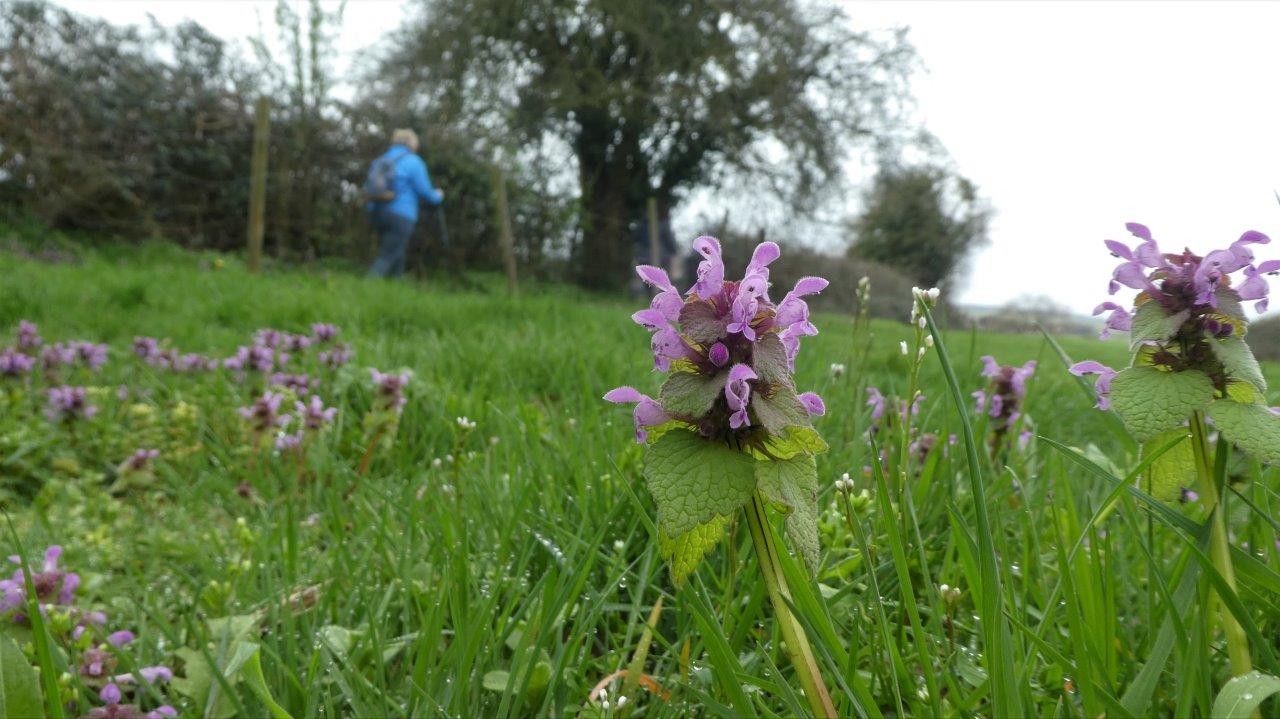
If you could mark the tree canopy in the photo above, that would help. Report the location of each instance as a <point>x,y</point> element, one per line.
<point>651,99</point>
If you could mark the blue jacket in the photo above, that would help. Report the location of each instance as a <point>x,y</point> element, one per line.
<point>411,184</point>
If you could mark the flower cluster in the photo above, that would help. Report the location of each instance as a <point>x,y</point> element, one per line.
<point>1186,309</point>
<point>67,403</point>
<point>389,389</point>
<point>83,637</point>
<point>1002,399</point>
<point>730,351</point>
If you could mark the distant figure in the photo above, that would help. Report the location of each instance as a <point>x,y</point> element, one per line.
<point>640,250</point>
<point>397,181</point>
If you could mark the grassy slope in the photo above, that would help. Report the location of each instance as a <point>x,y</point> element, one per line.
<point>469,567</point>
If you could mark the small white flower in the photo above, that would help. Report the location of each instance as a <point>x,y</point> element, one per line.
<point>435,462</point>
<point>920,353</point>
<point>837,369</point>
<point>465,423</point>
<point>864,281</point>
<point>619,545</point>
<point>902,345</point>
<point>922,323</point>
<point>928,340</point>
<point>933,294</point>
<point>448,458</point>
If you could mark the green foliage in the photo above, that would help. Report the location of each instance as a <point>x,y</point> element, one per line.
<point>923,221</point>
<point>1238,360</point>
<point>792,485</point>
<point>691,393</point>
<point>1151,401</point>
<point>1152,324</point>
<point>654,99</point>
<point>1241,696</point>
<point>694,481</point>
<point>1252,427</point>
<point>19,685</point>
<point>1174,469</point>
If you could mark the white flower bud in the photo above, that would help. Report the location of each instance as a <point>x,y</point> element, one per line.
<point>928,340</point>
<point>920,353</point>
<point>934,293</point>
<point>922,323</point>
<point>902,345</point>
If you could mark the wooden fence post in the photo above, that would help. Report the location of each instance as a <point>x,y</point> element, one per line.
<point>258,181</point>
<point>503,219</point>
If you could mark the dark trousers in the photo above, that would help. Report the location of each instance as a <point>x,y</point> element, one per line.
<point>394,232</point>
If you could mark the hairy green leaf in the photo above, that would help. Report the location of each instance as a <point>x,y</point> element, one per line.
<point>1174,469</point>
<point>690,393</point>
<point>1252,427</point>
<point>1238,359</point>
<point>792,442</point>
<point>792,485</point>
<point>699,323</point>
<point>693,481</point>
<point>780,411</point>
<point>769,360</point>
<point>1150,323</point>
<point>1151,401</point>
<point>687,550</point>
<point>19,684</point>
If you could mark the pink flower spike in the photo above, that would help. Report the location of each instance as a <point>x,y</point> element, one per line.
<point>765,253</point>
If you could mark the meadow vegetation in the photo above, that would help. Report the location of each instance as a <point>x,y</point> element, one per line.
<point>490,549</point>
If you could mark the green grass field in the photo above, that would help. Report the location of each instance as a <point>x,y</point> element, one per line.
<point>505,570</point>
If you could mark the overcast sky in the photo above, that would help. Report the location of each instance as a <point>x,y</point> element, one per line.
<point>1071,117</point>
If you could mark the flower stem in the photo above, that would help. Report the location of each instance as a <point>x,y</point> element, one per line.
<point>1219,548</point>
<point>797,643</point>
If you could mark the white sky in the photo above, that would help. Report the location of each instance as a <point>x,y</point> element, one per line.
<point>1072,118</point>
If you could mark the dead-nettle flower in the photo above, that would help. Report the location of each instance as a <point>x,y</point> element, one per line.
<point>57,355</point>
<point>268,337</point>
<point>323,332</point>
<point>113,708</point>
<point>340,355</point>
<point>288,441</point>
<point>14,363</point>
<point>28,339</point>
<point>299,384</point>
<point>52,586</point>
<point>313,415</point>
<point>729,337</point>
<point>294,343</point>
<point>1005,393</point>
<point>877,402</point>
<point>140,460</point>
<point>389,389</point>
<point>67,403</point>
<point>257,358</point>
<point>264,414</point>
<point>91,354</point>
<point>146,348</point>
<point>1187,315</point>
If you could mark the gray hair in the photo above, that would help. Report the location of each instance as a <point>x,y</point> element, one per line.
<point>405,136</point>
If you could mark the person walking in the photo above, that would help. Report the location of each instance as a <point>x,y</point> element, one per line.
<point>397,182</point>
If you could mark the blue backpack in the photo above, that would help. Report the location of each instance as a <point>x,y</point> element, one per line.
<point>379,184</point>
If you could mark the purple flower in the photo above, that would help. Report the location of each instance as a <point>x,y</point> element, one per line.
<point>287,442</point>
<point>340,355</point>
<point>57,355</point>
<point>718,354</point>
<point>1024,439</point>
<point>389,389</point>
<point>29,339</point>
<point>1189,495</point>
<point>876,401</point>
<point>737,393</point>
<point>813,404</point>
<point>314,415</point>
<point>299,384</point>
<point>990,368</point>
<point>267,337</point>
<point>1103,385</point>
<point>67,403</point>
<point>120,638</point>
<point>15,364</point>
<point>150,675</point>
<point>710,270</point>
<point>323,332</point>
<point>140,459</point>
<point>1119,319</point>
<point>648,413</point>
<point>146,348</point>
<point>264,413</point>
<point>52,585</point>
<point>979,401</point>
<point>90,354</point>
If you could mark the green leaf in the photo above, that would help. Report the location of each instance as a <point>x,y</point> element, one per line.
<point>1241,696</point>
<point>197,683</point>
<point>792,485</point>
<point>687,550</point>
<point>780,411</point>
<point>700,324</point>
<point>1151,401</point>
<point>1252,427</point>
<point>1174,469</point>
<point>691,394</point>
<point>1228,303</point>
<point>1238,359</point>
<point>694,481</point>
<point>769,360</point>
<point>793,441</point>
<point>1151,323</point>
<point>258,685</point>
<point>1244,392</point>
<point>19,683</point>
<point>496,680</point>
